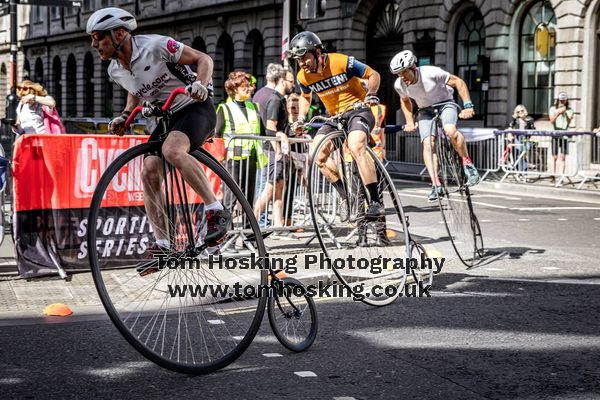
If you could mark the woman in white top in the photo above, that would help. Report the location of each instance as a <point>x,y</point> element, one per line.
<point>30,117</point>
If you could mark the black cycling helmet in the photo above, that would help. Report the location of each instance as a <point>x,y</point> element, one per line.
<point>302,43</point>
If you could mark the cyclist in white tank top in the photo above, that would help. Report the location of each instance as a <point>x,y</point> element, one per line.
<point>429,85</point>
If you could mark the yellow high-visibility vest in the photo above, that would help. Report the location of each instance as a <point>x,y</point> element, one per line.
<point>236,123</point>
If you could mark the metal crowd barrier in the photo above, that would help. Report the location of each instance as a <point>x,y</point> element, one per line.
<point>280,205</point>
<point>405,148</point>
<point>527,155</point>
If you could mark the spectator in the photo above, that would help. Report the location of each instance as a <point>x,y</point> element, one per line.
<point>239,116</point>
<point>298,158</point>
<point>521,121</point>
<point>252,85</point>
<point>277,123</point>
<point>292,107</point>
<point>35,110</point>
<point>261,97</point>
<point>561,116</point>
<point>274,71</point>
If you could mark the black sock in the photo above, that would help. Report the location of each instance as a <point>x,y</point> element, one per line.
<point>339,187</point>
<point>373,192</point>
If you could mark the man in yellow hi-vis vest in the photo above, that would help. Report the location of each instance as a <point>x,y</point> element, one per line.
<point>239,116</point>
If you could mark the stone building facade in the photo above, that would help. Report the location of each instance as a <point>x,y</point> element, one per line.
<point>536,48</point>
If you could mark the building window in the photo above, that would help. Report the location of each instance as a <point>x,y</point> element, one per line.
<point>56,81</point>
<point>55,12</point>
<point>36,13</point>
<point>199,44</point>
<point>384,40</point>
<point>470,44</point>
<point>26,70</point>
<point>223,65</point>
<point>71,110</point>
<point>255,46</point>
<point>88,5</point>
<point>536,58</point>
<point>38,75</point>
<point>88,85</point>
<point>107,86</point>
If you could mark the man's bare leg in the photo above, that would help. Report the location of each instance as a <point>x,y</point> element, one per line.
<point>154,201</point>
<point>457,139</point>
<point>325,164</point>
<point>263,200</point>
<point>431,165</point>
<point>357,143</point>
<point>278,204</point>
<point>175,150</point>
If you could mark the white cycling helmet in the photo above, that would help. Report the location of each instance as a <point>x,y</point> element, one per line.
<point>403,60</point>
<point>110,18</point>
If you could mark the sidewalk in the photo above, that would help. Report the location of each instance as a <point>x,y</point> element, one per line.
<point>540,188</point>
<point>22,297</point>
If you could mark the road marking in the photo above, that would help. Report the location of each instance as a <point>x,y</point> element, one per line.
<point>344,398</point>
<point>552,208</point>
<point>524,219</point>
<point>488,204</point>
<point>305,374</point>
<point>550,268</point>
<point>216,321</point>
<point>498,196</point>
<point>493,269</point>
<point>596,219</point>
<point>485,220</point>
<point>271,355</point>
<point>562,219</point>
<point>237,337</point>
<point>422,197</point>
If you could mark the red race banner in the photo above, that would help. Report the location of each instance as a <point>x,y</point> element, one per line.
<point>54,180</point>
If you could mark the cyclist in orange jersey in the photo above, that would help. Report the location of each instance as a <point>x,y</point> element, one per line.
<point>336,79</point>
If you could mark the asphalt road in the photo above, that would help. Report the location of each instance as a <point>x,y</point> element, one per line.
<point>522,325</point>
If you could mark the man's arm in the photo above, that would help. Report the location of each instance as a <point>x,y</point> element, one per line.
<point>373,81</point>
<point>132,102</point>
<point>463,91</point>
<point>407,110</point>
<point>204,69</point>
<point>204,64</point>
<point>115,126</point>
<point>304,106</point>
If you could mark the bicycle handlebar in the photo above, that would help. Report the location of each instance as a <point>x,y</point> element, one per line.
<point>165,107</point>
<point>354,106</point>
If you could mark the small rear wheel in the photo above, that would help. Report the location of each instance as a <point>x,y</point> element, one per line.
<point>292,314</point>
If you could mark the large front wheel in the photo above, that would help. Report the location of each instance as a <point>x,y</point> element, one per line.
<point>183,312</point>
<point>455,203</point>
<point>369,256</point>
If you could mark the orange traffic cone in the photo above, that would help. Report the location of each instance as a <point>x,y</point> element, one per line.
<point>58,309</point>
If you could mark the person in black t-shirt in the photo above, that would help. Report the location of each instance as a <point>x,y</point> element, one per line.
<point>276,125</point>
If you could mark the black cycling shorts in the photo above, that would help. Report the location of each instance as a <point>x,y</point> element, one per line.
<point>358,120</point>
<point>197,121</point>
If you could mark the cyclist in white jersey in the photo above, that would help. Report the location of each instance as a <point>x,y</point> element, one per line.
<point>429,85</point>
<point>149,67</point>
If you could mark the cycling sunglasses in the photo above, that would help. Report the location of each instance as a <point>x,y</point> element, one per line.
<point>98,36</point>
